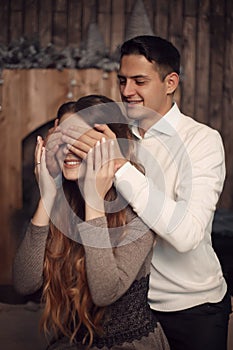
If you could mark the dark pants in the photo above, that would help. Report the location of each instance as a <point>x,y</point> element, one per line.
<point>203,327</point>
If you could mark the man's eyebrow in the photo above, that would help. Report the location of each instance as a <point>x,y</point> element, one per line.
<point>133,76</point>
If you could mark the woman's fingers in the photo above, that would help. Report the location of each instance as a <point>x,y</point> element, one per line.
<point>97,156</point>
<point>38,149</point>
<point>37,156</point>
<point>111,158</point>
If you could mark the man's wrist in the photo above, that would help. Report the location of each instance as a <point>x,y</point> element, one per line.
<point>119,163</point>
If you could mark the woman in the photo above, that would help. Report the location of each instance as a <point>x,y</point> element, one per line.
<point>92,262</point>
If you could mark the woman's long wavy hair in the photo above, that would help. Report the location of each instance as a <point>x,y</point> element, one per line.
<point>69,308</point>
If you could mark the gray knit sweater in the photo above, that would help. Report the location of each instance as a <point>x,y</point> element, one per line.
<point>118,279</point>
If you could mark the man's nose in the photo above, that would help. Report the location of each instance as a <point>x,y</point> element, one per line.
<point>128,89</point>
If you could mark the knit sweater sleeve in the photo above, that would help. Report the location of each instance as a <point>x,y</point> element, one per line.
<point>112,270</point>
<point>29,259</point>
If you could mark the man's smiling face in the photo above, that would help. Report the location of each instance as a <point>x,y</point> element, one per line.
<point>141,86</point>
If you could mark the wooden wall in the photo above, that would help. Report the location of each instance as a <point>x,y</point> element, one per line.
<point>201,29</point>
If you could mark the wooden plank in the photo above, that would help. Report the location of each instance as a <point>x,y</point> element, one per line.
<point>45,22</point>
<point>88,15</point>
<point>129,6</point>
<point>105,21</point>
<point>74,23</point>
<point>16,5</point>
<point>217,47</point>
<point>190,7</point>
<point>217,7</point>
<point>10,185</point>
<point>118,24</point>
<point>188,63</point>
<point>226,200</point>
<point>203,57</point>
<point>60,5</point>
<point>161,18</point>
<point>16,25</point>
<point>59,29</point>
<point>175,27</point>
<point>4,20</point>
<point>149,7</point>
<point>31,18</point>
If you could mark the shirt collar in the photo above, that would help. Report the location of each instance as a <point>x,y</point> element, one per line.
<point>166,125</point>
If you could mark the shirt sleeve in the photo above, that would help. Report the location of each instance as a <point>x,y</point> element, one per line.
<point>111,270</point>
<point>183,217</point>
<point>29,260</point>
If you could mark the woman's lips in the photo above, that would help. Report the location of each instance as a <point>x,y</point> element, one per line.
<point>72,163</point>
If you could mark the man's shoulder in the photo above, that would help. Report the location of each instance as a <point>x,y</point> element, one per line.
<point>192,126</point>
<point>195,134</point>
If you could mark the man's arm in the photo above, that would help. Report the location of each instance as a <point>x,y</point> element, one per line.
<point>181,220</point>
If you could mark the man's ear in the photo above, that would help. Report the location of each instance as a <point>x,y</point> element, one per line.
<point>172,81</point>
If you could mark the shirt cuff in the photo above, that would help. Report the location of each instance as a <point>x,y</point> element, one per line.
<point>123,169</point>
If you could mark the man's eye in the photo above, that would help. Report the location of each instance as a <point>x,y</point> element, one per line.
<point>122,82</point>
<point>140,82</point>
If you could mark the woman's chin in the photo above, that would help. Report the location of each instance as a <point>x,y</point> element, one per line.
<point>71,176</point>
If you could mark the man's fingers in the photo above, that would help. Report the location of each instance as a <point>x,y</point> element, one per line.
<point>103,128</point>
<point>53,140</point>
<point>94,134</point>
<point>89,136</point>
<point>78,152</point>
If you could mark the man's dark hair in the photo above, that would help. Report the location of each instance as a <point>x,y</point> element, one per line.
<point>154,49</point>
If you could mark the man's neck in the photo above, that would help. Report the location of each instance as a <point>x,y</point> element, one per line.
<point>146,123</point>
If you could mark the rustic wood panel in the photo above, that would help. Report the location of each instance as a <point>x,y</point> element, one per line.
<point>45,23</point>
<point>60,5</point>
<point>59,29</point>
<point>104,21</point>
<point>16,5</point>
<point>4,20</point>
<point>227,103</point>
<point>88,15</point>
<point>188,61</point>
<point>217,47</point>
<point>176,27</point>
<point>118,28</point>
<point>31,23</point>
<point>149,7</point>
<point>16,25</point>
<point>161,18</point>
<point>202,68</point>
<point>74,23</point>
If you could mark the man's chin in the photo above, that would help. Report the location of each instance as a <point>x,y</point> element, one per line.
<point>135,112</point>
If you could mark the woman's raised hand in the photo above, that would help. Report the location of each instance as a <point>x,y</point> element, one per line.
<point>45,181</point>
<point>99,176</point>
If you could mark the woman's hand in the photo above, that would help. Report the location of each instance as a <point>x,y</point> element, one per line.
<point>98,177</point>
<point>45,181</point>
<point>52,143</point>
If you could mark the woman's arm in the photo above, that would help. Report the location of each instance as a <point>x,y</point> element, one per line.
<point>29,260</point>
<point>112,270</point>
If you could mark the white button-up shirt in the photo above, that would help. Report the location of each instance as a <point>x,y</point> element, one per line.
<point>184,176</point>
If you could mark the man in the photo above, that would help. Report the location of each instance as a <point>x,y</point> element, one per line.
<point>187,288</point>
<point>177,197</point>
